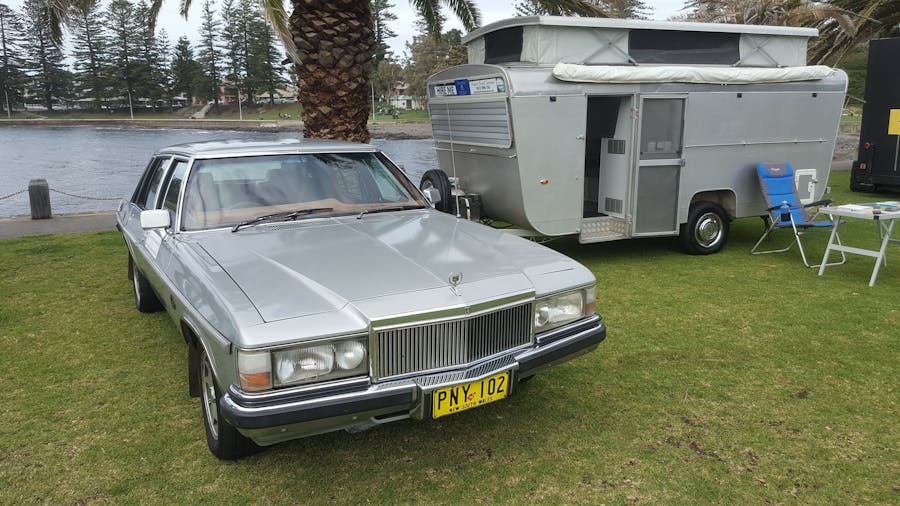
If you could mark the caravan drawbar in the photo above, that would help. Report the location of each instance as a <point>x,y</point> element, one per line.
<point>611,129</point>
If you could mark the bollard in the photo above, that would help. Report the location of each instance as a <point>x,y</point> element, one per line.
<point>39,197</point>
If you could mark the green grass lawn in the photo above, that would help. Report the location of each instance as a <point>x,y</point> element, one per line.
<point>726,379</point>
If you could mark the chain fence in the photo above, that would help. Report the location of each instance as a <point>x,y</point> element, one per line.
<point>13,194</point>
<point>84,196</point>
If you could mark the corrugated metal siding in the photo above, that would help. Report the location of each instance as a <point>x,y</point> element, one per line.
<point>454,343</point>
<point>481,123</point>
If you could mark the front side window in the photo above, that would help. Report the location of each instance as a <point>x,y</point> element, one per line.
<point>225,191</point>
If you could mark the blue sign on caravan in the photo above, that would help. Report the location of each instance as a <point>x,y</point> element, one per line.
<point>462,87</point>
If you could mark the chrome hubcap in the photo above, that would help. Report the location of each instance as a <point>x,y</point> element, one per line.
<point>709,230</point>
<point>209,398</point>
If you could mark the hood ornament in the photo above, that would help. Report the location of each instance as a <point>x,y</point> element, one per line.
<point>454,279</point>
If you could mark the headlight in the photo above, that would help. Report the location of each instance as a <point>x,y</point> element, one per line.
<point>308,363</point>
<point>558,310</point>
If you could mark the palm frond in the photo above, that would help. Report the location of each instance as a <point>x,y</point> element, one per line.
<point>573,7</point>
<point>185,7</point>
<point>58,14</point>
<point>278,17</point>
<point>153,15</point>
<point>429,11</point>
<point>467,13</point>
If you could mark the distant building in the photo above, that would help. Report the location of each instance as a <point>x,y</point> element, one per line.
<point>401,100</point>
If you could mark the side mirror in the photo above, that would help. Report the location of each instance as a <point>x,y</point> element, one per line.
<point>155,218</point>
<point>432,195</point>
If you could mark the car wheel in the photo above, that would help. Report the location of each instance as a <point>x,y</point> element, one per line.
<point>706,229</point>
<point>145,299</point>
<point>224,441</point>
<point>436,178</point>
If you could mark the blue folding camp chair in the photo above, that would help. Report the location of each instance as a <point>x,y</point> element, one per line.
<point>785,209</point>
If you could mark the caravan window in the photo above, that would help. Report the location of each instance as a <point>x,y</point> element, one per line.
<point>503,45</point>
<point>669,46</point>
<point>661,122</point>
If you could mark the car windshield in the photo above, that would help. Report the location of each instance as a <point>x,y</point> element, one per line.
<point>223,192</point>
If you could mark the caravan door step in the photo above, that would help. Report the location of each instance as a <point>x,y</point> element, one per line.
<point>602,228</point>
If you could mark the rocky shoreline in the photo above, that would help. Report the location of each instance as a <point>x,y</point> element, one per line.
<point>845,146</point>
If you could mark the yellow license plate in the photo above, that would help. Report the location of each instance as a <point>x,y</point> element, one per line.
<point>449,400</point>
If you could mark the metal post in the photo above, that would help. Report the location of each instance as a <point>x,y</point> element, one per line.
<point>240,110</point>
<point>39,198</point>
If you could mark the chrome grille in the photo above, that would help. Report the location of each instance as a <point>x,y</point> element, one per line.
<point>454,343</point>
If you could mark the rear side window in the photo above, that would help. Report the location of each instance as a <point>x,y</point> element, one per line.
<point>148,190</point>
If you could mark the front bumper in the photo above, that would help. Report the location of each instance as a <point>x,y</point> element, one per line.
<point>358,404</point>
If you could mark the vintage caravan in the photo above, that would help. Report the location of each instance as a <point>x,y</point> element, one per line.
<point>612,129</point>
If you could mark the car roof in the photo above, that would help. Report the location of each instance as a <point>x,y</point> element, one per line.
<point>249,147</point>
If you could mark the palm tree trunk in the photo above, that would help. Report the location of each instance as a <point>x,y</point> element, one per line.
<point>335,44</point>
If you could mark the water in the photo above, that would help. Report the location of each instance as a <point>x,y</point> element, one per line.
<point>107,162</point>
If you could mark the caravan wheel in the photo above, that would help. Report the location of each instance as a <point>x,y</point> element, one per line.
<point>706,229</point>
<point>436,178</point>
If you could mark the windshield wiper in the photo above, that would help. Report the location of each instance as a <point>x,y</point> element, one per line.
<point>387,209</point>
<point>282,216</point>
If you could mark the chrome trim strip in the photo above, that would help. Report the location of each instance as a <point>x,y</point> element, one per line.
<point>477,309</point>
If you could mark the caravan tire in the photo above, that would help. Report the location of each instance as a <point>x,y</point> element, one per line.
<point>436,178</point>
<point>706,229</point>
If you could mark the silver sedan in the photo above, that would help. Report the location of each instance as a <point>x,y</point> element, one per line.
<point>317,289</point>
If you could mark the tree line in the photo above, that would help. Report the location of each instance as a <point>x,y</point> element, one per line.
<point>117,61</point>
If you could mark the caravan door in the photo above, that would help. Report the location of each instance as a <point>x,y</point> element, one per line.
<point>655,202</point>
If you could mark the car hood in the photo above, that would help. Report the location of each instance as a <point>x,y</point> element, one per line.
<point>297,269</point>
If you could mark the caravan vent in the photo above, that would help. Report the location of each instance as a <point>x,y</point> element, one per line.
<point>613,205</point>
<point>616,146</point>
<point>479,123</point>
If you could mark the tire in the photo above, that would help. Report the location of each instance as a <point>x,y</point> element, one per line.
<point>706,230</point>
<point>223,440</point>
<point>436,178</point>
<point>145,299</point>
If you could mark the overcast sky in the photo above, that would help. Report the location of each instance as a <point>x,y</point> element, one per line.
<point>491,10</point>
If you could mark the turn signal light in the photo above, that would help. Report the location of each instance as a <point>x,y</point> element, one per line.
<point>256,381</point>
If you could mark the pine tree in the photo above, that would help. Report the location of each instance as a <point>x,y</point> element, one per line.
<point>123,23</point>
<point>185,69</point>
<point>150,59</point>
<point>235,42</point>
<point>160,68</point>
<point>263,59</point>
<point>381,16</point>
<point>11,75</point>
<point>43,59</point>
<point>90,51</point>
<point>210,54</point>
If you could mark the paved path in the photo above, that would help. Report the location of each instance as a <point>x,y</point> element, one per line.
<point>59,224</point>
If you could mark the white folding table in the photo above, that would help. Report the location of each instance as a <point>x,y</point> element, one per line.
<point>883,214</point>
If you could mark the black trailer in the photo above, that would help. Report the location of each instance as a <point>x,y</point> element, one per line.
<point>878,161</point>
